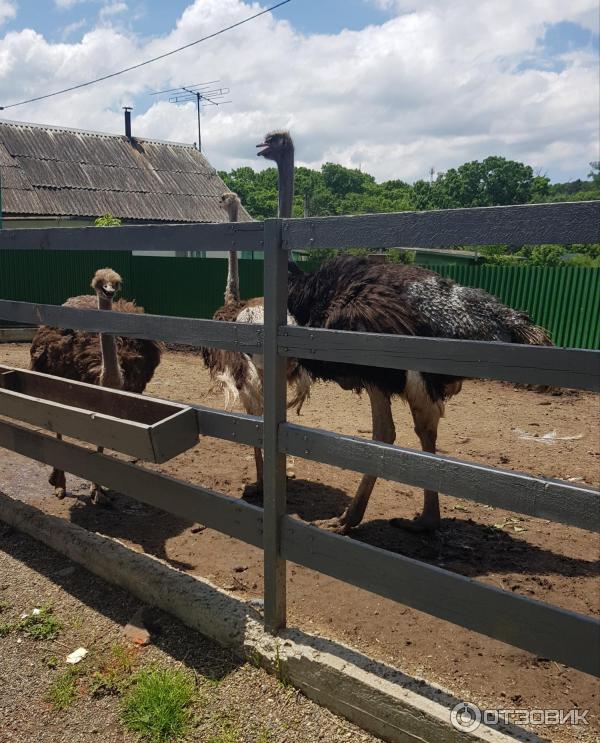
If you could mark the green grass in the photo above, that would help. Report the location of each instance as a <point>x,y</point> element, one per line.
<point>42,626</point>
<point>5,628</point>
<point>115,673</point>
<point>265,736</point>
<point>229,733</point>
<point>158,704</point>
<point>63,691</point>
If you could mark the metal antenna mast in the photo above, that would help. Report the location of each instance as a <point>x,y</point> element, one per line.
<point>202,93</point>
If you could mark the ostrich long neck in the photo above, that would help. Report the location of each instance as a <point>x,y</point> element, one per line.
<point>232,288</point>
<point>285,178</point>
<point>285,175</point>
<point>110,375</point>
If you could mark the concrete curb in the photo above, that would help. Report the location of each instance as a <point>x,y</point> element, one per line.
<point>376,697</point>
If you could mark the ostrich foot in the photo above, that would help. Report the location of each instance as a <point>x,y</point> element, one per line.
<point>420,524</point>
<point>337,525</point>
<point>98,495</point>
<point>59,493</point>
<point>254,490</point>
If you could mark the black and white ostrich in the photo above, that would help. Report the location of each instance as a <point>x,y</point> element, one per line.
<point>356,294</point>
<point>240,375</point>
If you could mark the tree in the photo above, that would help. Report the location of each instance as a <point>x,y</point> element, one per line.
<point>107,220</point>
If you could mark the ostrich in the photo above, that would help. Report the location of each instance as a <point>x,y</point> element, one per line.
<point>122,363</point>
<point>357,295</point>
<point>240,375</point>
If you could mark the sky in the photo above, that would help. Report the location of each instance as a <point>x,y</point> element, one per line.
<point>394,87</point>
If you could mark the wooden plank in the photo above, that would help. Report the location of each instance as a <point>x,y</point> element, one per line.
<point>117,403</point>
<point>228,515</point>
<point>534,224</point>
<point>275,411</point>
<point>560,367</point>
<point>127,437</point>
<point>163,238</point>
<point>173,435</point>
<point>556,500</point>
<point>142,427</point>
<point>236,427</point>
<point>190,331</point>
<point>542,629</point>
<point>16,335</point>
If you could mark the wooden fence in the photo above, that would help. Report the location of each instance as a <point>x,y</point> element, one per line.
<point>563,299</point>
<point>546,630</point>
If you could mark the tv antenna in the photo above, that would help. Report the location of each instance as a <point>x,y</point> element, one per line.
<point>204,95</point>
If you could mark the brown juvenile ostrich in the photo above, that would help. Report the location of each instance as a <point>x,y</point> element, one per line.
<point>240,375</point>
<point>122,363</point>
<point>358,295</point>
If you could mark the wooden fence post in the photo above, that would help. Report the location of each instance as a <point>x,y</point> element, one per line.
<point>275,391</point>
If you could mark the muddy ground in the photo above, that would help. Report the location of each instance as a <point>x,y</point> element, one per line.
<point>488,422</point>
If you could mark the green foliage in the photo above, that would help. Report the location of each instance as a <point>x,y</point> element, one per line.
<point>107,220</point>
<point>63,691</point>
<point>158,704</point>
<point>395,255</point>
<point>547,255</point>
<point>115,673</point>
<point>335,189</point>
<point>5,629</point>
<point>41,626</point>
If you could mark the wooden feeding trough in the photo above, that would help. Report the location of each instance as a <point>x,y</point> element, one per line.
<point>143,427</point>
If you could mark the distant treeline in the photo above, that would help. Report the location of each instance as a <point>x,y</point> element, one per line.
<point>494,181</point>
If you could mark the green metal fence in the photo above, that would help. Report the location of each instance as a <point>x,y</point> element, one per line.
<point>565,300</point>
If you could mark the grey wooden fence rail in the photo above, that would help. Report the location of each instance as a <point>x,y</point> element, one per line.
<point>566,636</point>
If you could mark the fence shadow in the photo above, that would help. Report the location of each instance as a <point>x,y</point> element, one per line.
<point>473,549</point>
<point>307,499</point>
<point>126,518</point>
<point>168,633</point>
<point>193,649</point>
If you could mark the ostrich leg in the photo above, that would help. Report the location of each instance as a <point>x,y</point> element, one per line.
<point>97,494</point>
<point>383,430</point>
<point>57,479</point>
<point>426,416</point>
<point>253,406</point>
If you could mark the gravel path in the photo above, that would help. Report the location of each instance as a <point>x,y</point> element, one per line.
<point>237,703</point>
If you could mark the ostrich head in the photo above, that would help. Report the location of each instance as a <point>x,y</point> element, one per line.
<point>106,283</point>
<point>276,146</point>
<point>230,203</point>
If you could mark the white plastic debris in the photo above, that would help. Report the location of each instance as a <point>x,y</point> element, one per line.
<point>35,612</point>
<point>548,438</point>
<point>76,656</point>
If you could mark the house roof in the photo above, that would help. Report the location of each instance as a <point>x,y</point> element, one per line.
<point>52,171</point>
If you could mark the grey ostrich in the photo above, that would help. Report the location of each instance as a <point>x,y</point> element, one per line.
<point>358,295</point>
<point>240,375</point>
<point>122,363</point>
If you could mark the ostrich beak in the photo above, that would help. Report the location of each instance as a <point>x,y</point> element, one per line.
<point>265,151</point>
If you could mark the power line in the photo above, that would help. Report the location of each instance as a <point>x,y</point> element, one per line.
<point>148,61</point>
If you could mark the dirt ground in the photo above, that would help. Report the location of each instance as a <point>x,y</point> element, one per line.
<point>92,614</point>
<point>488,422</point>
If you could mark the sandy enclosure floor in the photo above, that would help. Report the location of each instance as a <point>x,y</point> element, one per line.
<point>485,423</point>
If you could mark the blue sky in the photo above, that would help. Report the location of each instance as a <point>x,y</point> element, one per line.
<point>156,17</point>
<point>396,86</point>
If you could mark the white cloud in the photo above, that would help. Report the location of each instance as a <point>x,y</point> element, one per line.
<point>112,9</point>
<point>72,28</point>
<point>64,4</point>
<point>437,86</point>
<point>7,10</point>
